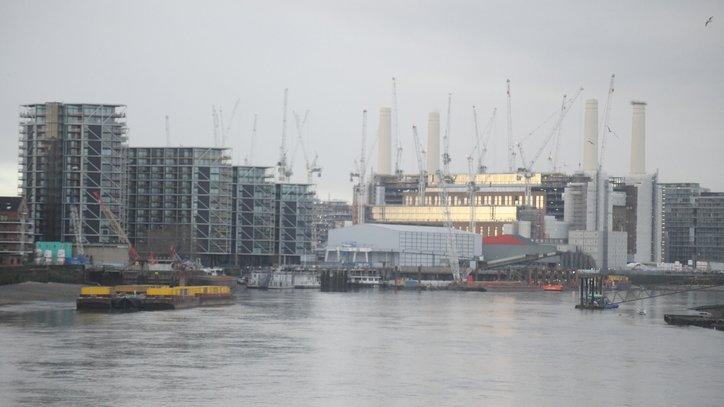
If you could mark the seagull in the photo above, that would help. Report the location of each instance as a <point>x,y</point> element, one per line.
<point>708,20</point>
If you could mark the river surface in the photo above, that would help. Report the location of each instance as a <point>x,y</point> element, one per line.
<point>364,348</point>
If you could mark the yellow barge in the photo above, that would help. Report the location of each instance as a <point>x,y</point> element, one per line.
<point>132,298</point>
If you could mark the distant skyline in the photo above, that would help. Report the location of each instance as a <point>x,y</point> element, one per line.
<point>337,58</point>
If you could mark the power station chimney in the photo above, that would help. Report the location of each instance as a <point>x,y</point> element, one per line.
<point>590,136</point>
<point>638,138</point>
<point>384,142</point>
<point>433,142</point>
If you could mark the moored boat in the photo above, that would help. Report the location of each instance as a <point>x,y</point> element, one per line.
<point>553,287</point>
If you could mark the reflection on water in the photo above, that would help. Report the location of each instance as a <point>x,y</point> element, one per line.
<point>365,348</point>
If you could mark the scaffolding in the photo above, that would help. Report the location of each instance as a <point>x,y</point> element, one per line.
<point>68,153</point>
<point>255,214</point>
<point>181,197</point>
<point>295,217</point>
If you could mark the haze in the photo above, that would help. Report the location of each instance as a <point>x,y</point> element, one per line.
<point>337,58</point>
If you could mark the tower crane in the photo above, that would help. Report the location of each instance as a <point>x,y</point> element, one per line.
<point>77,230</point>
<point>250,153</point>
<point>526,170</point>
<point>396,129</point>
<point>452,253</point>
<point>511,151</point>
<point>284,171</point>
<point>446,140</point>
<point>481,141</point>
<point>311,166</point>
<point>215,118</point>
<point>421,168</point>
<point>360,173</point>
<point>116,226</point>
<point>602,224</point>
<point>226,129</point>
<point>167,131</point>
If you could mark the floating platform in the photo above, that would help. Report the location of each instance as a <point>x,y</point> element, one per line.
<point>133,298</point>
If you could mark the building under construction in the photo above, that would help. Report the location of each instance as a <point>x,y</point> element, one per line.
<point>272,222</point>
<point>70,155</point>
<point>181,197</point>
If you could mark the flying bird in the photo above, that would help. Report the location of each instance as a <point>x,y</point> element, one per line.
<point>708,20</point>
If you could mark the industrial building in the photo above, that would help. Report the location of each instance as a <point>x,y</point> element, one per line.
<point>69,155</point>
<point>16,231</point>
<point>180,197</point>
<point>390,245</point>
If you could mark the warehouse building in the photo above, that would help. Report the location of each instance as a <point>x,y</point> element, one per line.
<point>390,245</point>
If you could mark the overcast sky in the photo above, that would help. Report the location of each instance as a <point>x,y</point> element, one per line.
<point>337,58</point>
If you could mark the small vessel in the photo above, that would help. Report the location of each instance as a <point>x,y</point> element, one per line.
<point>366,280</point>
<point>306,279</point>
<point>553,287</point>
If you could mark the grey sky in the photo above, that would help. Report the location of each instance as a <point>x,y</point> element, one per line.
<point>336,58</point>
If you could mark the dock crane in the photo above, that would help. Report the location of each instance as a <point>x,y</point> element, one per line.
<point>446,139</point>
<point>284,171</point>
<point>116,226</point>
<point>360,173</point>
<point>395,121</point>
<point>421,168</point>
<point>452,253</point>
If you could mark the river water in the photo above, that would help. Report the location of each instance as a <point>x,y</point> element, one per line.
<point>364,348</point>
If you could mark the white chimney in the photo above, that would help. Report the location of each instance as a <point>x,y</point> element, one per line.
<point>638,138</point>
<point>384,142</point>
<point>433,142</point>
<point>590,136</point>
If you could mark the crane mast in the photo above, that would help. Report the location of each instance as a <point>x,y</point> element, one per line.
<point>284,171</point>
<point>511,152</point>
<point>452,253</point>
<point>250,153</point>
<point>360,173</point>
<point>421,168</point>
<point>115,225</point>
<point>446,139</point>
<point>396,129</point>
<point>605,128</point>
<point>77,229</point>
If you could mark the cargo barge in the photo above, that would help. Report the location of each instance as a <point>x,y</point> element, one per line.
<point>133,298</point>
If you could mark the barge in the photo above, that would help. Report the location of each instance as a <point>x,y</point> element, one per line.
<point>133,298</point>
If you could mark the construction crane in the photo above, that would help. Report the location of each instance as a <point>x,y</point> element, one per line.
<point>396,128</point>
<point>480,148</point>
<point>215,119</point>
<point>284,171</point>
<point>452,253</point>
<point>360,173</point>
<point>250,153</point>
<point>605,127</point>
<point>526,170</point>
<point>167,132</point>
<point>446,140</point>
<point>116,226</point>
<point>77,227</point>
<point>472,187</point>
<point>226,129</point>
<point>311,166</point>
<point>602,224</point>
<point>420,167</point>
<point>511,151</point>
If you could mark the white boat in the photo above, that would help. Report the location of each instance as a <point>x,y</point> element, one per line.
<point>306,279</point>
<point>365,280</point>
